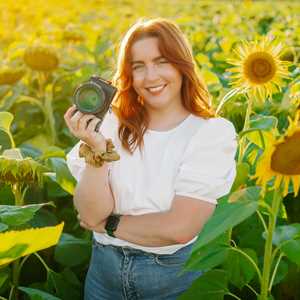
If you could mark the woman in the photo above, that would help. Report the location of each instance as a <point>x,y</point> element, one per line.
<point>176,160</point>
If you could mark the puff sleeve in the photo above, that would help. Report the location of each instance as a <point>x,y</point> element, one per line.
<point>208,166</point>
<point>77,164</point>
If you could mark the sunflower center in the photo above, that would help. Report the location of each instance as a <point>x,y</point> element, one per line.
<point>286,157</point>
<point>259,67</point>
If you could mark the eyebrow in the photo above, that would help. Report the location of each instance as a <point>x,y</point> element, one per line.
<point>141,62</point>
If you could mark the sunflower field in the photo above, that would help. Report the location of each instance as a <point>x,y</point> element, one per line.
<point>248,53</point>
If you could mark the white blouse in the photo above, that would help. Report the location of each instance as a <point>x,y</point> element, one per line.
<point>194,159</point>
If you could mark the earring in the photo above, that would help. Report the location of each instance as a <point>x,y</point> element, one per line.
<point>140,99</point>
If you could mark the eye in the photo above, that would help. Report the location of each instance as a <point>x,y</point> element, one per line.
<point>136,67</point>
<point>163,61</point>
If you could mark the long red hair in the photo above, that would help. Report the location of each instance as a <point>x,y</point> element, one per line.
<point>174,46</point>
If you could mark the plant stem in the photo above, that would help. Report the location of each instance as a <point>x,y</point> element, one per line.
<point>246,126</point>
<point>11,293</point>
<point>268,246</point>
<point>243,140</point>
<point>233,295</point>
<point>262,220</point>
<point>19,201</point>
<point>251,260</point>
<point>252,289</point>
<point>42,261</point>
<point>19,196</point>
<point>275,270</point>
<point>50,116</point>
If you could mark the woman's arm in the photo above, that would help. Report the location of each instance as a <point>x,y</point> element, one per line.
<point>93,198</point>
<point>178,225</point>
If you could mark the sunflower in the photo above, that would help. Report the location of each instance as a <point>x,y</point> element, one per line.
<point>41,58</point>
<point>72,34</point>
<point>259,70</point>
<point>16,169</point>
<point>281,158</point>
<point>10,75</point>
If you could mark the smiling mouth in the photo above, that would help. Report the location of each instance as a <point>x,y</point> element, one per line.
<point>156,89</point>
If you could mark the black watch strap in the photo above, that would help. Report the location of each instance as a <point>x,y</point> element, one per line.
<point>112,224</point>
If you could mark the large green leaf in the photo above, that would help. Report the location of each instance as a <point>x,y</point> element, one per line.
<point>19,243</point>
<point>13,252</point>
<point>228,215</point>
<point>63,176</point>
<point>240,271</point>
<point>212,285</point>
<point>72,251</point>
<point>60,285</point>
<point>35,294</point>
<point>17,215</point>
<point>209,256</point>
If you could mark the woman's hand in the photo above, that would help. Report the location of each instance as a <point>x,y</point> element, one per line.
<point>100,228</point>
<point>83,126</point>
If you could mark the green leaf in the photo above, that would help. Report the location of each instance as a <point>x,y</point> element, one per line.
<point>212,285</point>
<point>14,251</point>
<point>63,176</point>
<point>228,215</point>
<point>243,170</point>
<point>5,140</point>
<point>209,256</point>
<point>281,272</point>
<point>35,294</point>
<point>17,215</point>
<point>4,275</point>
<point>72,251</point>
<point>3,227</point>
<point>240,271</point>
<point>263,122</point>
<point>292,250</point>
<point>284,233</point>
<point>6,119</point>
<point>60,285</point>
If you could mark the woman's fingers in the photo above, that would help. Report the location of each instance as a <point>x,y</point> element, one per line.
<point>92,125</point>
<point>83,121</point>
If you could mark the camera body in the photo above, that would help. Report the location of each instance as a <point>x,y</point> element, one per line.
<point>94,97</point>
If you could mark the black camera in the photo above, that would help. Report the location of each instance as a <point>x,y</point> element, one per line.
<point>94,97</point>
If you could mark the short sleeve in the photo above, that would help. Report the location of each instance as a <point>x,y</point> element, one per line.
<point>208,166</point>
<point>77,164</point>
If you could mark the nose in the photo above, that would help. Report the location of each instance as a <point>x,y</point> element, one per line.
<point>151,73</point>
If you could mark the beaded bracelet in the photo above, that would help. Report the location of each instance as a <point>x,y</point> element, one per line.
<point>97,158</point>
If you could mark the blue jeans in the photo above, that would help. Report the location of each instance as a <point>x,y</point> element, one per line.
<point>125,273</point>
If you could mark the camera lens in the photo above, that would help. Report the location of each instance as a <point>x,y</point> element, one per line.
<point>89,98</point>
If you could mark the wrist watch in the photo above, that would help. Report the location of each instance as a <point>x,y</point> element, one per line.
<point>112,224</point>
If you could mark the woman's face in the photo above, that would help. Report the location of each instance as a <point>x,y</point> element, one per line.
<point>154,78</point>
